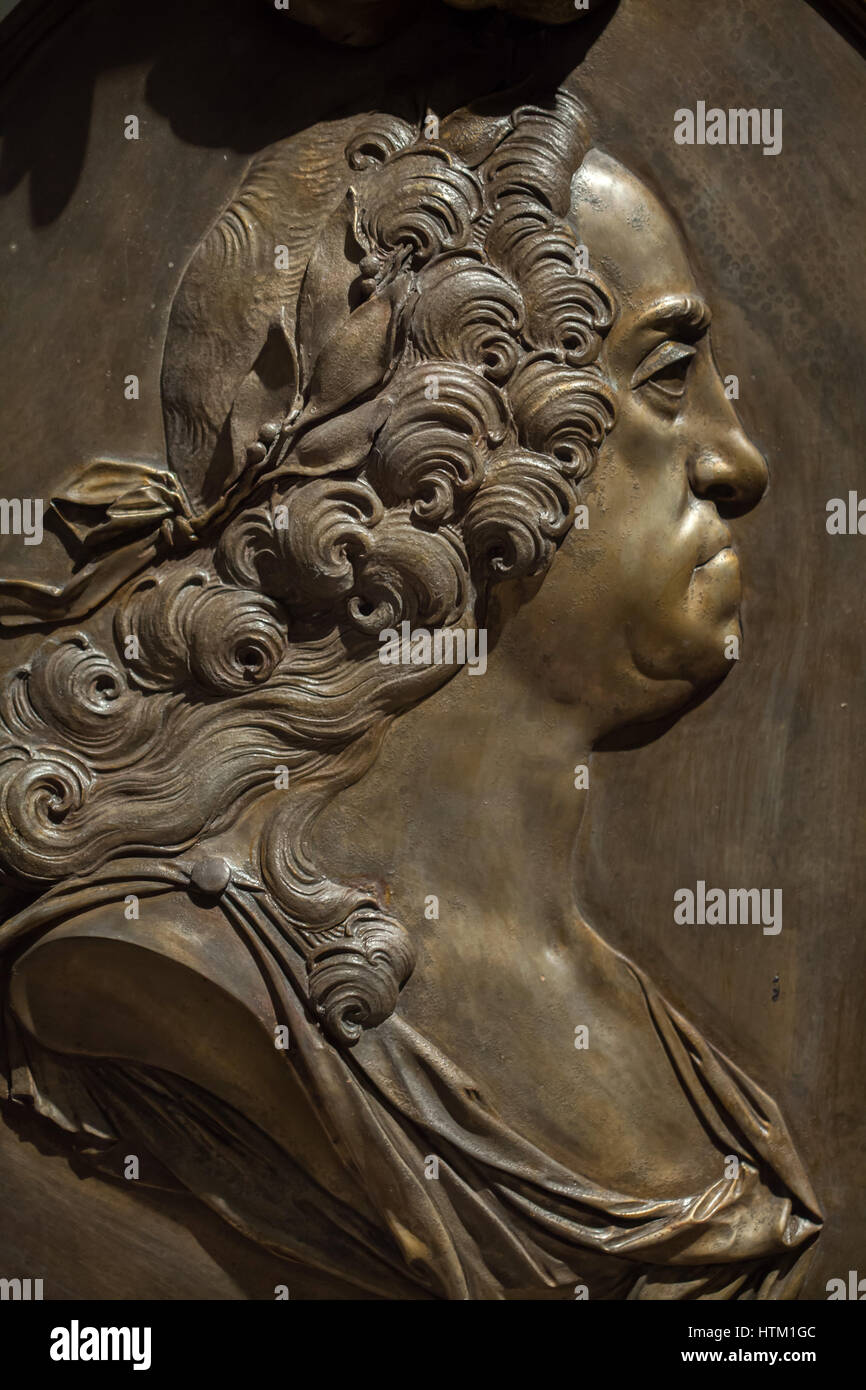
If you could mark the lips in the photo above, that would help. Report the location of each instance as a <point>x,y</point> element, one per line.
<point>723,552</point>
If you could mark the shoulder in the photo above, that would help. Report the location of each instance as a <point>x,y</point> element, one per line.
<point>171,988</point>
<point>123,948</point>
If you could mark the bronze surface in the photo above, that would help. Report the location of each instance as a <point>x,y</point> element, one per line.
<point>374,967</point>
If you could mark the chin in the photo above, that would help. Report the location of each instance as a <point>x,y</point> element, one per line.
<point>710,661</point>
<point>689,667</point>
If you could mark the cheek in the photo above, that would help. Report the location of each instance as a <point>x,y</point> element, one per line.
<point>577,639</point>
<point>644,506</point>
<point>639,538</point>
<point>646,534</point>
<point>622,602</point>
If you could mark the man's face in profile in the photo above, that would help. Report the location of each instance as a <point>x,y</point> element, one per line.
<point>648,597</point>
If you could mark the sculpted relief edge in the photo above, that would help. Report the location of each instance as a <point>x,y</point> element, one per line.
<point>399,368</point>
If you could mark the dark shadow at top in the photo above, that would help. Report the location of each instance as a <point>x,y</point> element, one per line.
<point>229,75</point>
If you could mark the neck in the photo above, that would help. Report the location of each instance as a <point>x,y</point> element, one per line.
<point>471,801</point>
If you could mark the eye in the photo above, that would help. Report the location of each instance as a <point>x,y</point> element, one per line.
<point>665,369</point>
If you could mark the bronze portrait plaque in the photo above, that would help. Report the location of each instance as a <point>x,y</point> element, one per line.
<point>429,717</point>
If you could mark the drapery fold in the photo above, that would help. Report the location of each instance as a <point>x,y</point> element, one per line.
<point>500,1219</point>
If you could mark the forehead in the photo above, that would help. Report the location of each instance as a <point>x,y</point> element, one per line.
<point>632,239</point>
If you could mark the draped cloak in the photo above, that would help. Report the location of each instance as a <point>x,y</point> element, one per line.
<point>494,1218</point>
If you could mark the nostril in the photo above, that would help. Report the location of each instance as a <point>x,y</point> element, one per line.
<point>733,475</point>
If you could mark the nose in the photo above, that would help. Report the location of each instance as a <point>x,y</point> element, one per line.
<point>730,471</point>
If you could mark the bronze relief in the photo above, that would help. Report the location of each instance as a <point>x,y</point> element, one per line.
<point>293,782</point>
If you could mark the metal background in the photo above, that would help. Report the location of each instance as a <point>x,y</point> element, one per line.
<point>763,785</point>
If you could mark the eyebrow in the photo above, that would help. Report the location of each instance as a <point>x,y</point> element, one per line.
<point>686,311</point>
